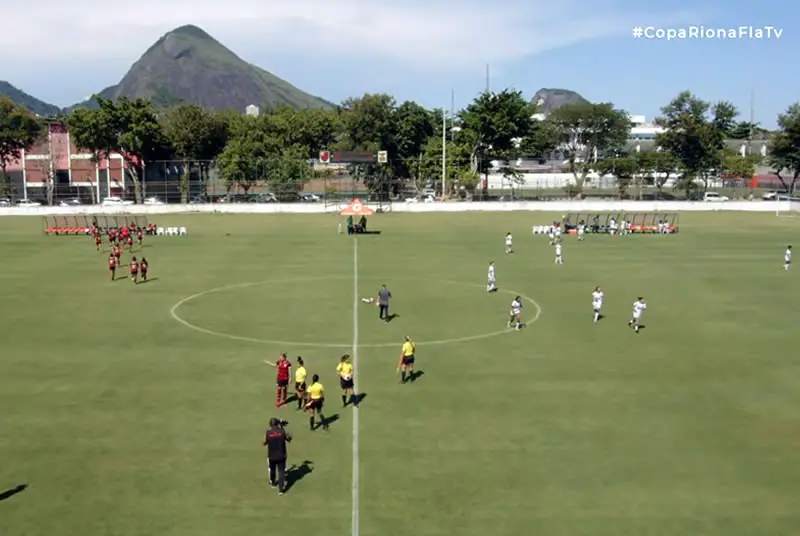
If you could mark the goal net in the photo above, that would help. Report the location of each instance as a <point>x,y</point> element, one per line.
<point>788,208</point>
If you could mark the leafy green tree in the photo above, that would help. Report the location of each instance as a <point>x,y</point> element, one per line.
<point>624,169</point>
<point>413,126</point>
<point>586,130</point>
<point>784,148</point>
<point>287,172</point>
<point>128,126</point>
<point>196,135</point>
<point>368,123</point>
<point>739,167</point>
<point>428,167</point>
<point>19,130</point>
<point>493,125</point>
<point>695,131</point>
<point>745,130</point>
<point>240,164</point>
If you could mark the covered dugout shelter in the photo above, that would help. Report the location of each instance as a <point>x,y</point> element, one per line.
<point>81,224</point>
<point>641,222</point>
<point>359,210</point>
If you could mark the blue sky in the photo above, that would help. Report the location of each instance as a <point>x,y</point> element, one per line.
<point>420,50</point>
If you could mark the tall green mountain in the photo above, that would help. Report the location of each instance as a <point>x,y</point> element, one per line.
<point>188,65</point>
<point>28,101</point>
<point>552,99</point>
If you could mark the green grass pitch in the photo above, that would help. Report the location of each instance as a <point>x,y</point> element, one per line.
<point>123,421</point>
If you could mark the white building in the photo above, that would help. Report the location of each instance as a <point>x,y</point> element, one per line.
<point>642,130</point>
<point>252,110</point>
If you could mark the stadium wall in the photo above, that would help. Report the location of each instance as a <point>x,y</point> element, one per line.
<point>490,206</point>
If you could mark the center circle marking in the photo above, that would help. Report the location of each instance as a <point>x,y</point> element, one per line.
<point>174,314</point>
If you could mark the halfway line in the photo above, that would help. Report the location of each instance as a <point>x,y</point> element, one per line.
<point>355,521</point>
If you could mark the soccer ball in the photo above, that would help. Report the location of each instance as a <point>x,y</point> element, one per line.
<point>347,377</point>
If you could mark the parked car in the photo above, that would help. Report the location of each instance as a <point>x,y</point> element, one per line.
<point>198,200</point>
<point>775,195</point>
<point>309,198</point>
<point>28,203</point>
<point>5,202</point>
<point>265,197</point>
<point>153,201</point>
<point>115,201</point>
<point>714,197</point>
<point>70,203</point>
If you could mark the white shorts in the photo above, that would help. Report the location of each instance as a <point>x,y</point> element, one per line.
<point>491,280</point>
<point>516,312</point>
<point>597,306</point>
<point>637,316</point>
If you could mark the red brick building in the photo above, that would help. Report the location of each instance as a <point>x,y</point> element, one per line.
<point>56,155</point>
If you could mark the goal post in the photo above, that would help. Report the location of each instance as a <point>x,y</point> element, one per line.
<point>788,208</point>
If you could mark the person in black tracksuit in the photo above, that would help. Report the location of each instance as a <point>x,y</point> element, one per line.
<point>276,440</point>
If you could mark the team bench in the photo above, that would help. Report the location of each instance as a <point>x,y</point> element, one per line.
<point>641,222</point>
<point>81,224</point>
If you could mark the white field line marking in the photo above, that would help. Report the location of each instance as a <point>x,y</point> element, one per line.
<point>356,517</point>
<point>175,316</point>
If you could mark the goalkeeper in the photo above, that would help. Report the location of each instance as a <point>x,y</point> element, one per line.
<point>346,371</point>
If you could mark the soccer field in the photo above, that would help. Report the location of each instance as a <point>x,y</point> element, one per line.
<point>122,420</point>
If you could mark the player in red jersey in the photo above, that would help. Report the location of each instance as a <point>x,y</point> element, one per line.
<point>117,252</point>
<point>134,266</point>
<point>98,241</point>
<point>129,241</point>
<point>139,236</point>
<point>112,236</point>
<point>284,367</point>
<point>112,265</point>
<point>143,265</point>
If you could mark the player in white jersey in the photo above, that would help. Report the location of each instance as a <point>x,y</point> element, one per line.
<point>612,227</point>
<point>597,302</point>
<point>509,241</point>
<point>581,231</point>
<point>515,316</point>
<point>490,279</point>
<point>558,232</point>
<point>559,253</point>
<point>551,234</point>
<point>625,228</point>
<point>639,307</point>
<point>787,258</point>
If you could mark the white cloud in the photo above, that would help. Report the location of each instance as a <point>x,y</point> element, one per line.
<point>433,35</point>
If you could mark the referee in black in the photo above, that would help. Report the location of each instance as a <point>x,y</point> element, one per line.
<point>384,295</point>
<point>275,440</point>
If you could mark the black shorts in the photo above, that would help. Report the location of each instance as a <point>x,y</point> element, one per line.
<point>316,405</point>
<point>408,359</point>
<point>299,386</point>
<point>346,384</point>
<point>283,383</point>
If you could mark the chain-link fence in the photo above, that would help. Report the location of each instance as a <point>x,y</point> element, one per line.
<point>200,182</point>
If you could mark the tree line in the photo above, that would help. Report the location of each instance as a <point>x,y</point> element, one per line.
<point>277,147</point>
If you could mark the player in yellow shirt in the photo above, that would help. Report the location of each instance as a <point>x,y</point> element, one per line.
<point>406,363</point>
<point>345,371</point>
<point>316,400</point>
<point>300,375</point>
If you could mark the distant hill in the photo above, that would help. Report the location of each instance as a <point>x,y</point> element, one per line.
<point>28,101</point>
<point>187,65</point>
<point>552,99</point>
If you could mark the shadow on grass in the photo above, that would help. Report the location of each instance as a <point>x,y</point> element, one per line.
<point>11,492</point>
<point>296,473</point>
